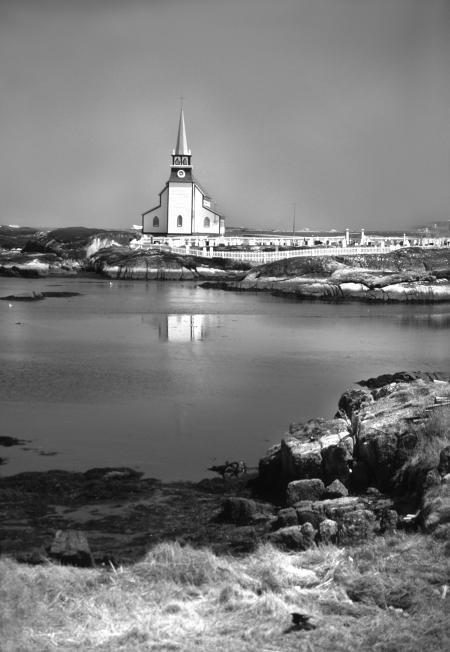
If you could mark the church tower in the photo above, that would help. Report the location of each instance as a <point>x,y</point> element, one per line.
<point>184,207</point>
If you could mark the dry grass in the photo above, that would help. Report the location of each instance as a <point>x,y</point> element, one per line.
<point>384,596</point>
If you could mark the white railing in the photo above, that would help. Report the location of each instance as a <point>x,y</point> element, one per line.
<point>271,256</point>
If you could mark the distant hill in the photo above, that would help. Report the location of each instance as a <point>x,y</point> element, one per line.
<point>15,237</point>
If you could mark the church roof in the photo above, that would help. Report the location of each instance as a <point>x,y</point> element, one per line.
<point>182,147</point>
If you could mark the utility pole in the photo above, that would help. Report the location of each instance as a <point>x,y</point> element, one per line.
<point>293,222</point>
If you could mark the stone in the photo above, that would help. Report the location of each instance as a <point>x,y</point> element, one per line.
<point>336,507</point>
<point>293,537</point>
<point>309,516</point>
<point>336,490</point>
<point>353,399</point>
<point>300,459</point>
<point>301,449</point>
<point>71,548</point>
<point>243,511</point>
<point>286,517</point>
<point>388,429</point>
<point>380,453</point>
<point>309,533</point>
<point>328,531</point>
<point>356,526</point>
<point>7,441</point>
<point>24,296</point>
<point>308,489</point>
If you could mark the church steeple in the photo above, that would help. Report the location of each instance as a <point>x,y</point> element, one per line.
<point>182,146</point>
<point>181,155</point>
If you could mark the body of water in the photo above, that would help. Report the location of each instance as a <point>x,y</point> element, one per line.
<point>170,378</point>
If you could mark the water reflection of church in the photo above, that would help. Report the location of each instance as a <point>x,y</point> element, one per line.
<point>183,328</point>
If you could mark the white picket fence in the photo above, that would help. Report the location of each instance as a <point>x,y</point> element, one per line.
<point>271,256</point>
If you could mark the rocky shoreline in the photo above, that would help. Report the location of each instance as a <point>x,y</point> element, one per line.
<point>410,274</point>
<point>407,275</point>
<point>73,252</point>
<point>382,463</point>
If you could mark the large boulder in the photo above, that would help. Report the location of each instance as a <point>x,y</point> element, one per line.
<point>298,490</point>
<point>336,490</point>
<point>388,430</point>
<point>302,449</point>
<point>391,434</point>
<point>318,449</point>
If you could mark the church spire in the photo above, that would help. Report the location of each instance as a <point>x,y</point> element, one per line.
<point>181,148</point>
<point>181,155</point>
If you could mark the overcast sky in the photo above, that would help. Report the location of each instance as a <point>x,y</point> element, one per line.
<point>339,106</point>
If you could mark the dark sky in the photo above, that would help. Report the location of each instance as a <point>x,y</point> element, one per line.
<point>341,106</point>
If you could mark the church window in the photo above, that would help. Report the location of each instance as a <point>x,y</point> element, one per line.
<point>185,161</point>
<point>177,161</point>
<point>156,221</point>
<point>207,222</point>
<point>179,220</point>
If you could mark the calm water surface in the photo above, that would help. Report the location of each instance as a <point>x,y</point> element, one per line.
<point>170,378</point>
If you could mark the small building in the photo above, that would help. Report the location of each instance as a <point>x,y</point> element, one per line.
<point>184,207</point>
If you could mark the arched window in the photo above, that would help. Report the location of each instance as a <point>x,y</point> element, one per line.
<point>179,220</point>
<point>177,161</point>
<point>185,161</point>
<point>156,221</point>
<point>206,222</point>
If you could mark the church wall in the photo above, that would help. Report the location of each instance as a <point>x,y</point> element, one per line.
<point>200,212</point>
<point>161,213</point>
<point>180,203</point>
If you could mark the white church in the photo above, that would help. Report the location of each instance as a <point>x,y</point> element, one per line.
<point>184,208</point>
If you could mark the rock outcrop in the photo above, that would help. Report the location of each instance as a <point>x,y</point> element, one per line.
<point>121,262</point>
<point>412,274</point>
<point>383,463</point>
<point>70,251</point>
<point>75,243</point>
<point>391,438</point>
